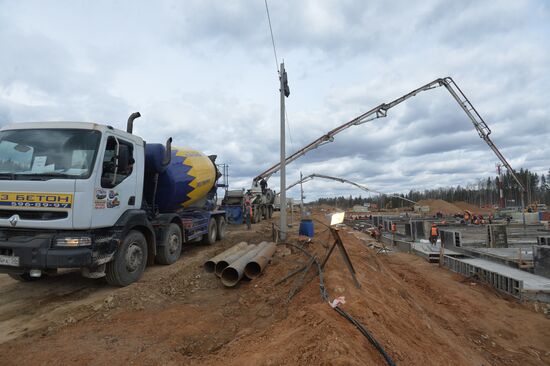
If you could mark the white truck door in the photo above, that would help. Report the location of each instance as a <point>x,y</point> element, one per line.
<point>115,187</point>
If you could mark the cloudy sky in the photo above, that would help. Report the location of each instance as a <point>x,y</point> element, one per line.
<point>204,72</point>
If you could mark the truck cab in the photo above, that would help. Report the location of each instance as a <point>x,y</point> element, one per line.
<point>72,196</point>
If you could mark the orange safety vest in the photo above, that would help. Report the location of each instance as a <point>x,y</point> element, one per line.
<point>248,207</point>
<point>434,232</point>
<point>393,228</point>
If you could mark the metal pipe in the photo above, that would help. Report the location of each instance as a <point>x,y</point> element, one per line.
<point>257,264</point>
<point>226,262</point>
<point>232,274</point>
<point>210,265</point>
<point>130,124</point>
<point>167,153</point>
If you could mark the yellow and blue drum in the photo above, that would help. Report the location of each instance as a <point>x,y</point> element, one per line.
<point>186,180</point>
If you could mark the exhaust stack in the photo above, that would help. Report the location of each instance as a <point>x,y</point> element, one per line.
<point>130,125</point>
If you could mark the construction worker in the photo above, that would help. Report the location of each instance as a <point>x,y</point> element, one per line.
<point>393,231</point>
<point>466,217</point>
<point>491,217</point>
<point>263,185</point>
<point>248,211</point>
<point>434,234</point>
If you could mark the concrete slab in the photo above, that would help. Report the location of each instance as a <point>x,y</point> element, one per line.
<point>521,257</point>
<point>518,283</point>
<point>429,251</point>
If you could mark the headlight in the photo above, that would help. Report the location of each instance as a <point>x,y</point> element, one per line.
<point>80,241</point>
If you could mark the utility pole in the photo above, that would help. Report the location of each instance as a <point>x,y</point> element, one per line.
<point>285,92</point>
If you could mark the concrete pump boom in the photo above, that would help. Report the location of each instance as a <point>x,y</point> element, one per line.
<point>342,180</point>
<point>381,111</point>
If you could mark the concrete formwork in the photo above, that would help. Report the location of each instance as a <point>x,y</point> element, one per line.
<point>541,259</point>
<point>497,236</point>
<point>520,284</point>
<point>468,252</point>
<point>524,235</point>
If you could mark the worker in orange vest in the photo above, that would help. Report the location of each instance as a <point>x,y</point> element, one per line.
<point>434,234</point>
<point>248,211</point>
<point>393,231</point>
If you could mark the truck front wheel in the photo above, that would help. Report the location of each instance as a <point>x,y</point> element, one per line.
<point>170,250</point>
<point>210,237</point>
<point>129,262</point>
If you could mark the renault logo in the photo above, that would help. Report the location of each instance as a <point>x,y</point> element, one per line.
<point>14,220</point>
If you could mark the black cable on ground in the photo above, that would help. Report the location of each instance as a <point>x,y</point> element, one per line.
<point>325,297</point>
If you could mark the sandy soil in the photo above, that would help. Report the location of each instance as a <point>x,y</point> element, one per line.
<point>473,208</point>
<point>420,313</point>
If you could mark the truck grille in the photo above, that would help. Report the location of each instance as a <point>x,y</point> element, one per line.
<point>7,252</point>
<point>34,215</point>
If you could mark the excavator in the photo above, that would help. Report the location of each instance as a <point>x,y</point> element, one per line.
<point>381,111</point>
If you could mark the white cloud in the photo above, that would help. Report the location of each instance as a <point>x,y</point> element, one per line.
<point>203,72</point>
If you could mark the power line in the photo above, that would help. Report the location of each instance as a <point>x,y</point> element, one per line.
<point>272,38</point>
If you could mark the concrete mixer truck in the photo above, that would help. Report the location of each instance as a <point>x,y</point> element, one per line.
<point>89,196</point>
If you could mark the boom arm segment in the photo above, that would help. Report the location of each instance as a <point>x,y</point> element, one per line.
<point>342,180</point>
<point>381,111</point>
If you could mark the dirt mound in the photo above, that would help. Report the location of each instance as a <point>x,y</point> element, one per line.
<point>420,313</point>
<point>440,206</point>
<point>472,208</point>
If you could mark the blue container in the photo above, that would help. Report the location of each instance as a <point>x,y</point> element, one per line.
<point>235,214</point>
<point>306,228</point>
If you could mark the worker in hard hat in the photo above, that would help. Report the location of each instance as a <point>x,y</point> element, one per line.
<point>434,234</point>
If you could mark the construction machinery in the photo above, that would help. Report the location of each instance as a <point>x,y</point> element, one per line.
<point>262,201</point>
<point>310,177</point>
<point>89,196</point>
<point>381,110</point>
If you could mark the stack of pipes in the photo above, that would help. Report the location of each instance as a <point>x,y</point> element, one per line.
<point>241,260</point>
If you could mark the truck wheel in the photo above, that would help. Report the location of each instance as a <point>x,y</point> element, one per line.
<point>170,250</point>
<point>222,225</point>
<point>129,262</point>
<point>24,277</point>
<point>256,214</point>
<point>210,237</point>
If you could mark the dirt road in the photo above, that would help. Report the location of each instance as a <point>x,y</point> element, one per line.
<point>420,313</point>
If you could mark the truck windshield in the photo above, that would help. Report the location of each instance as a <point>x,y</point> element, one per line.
<point>47,153</point>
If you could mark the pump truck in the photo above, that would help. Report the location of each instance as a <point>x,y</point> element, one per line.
<point>89,196</point>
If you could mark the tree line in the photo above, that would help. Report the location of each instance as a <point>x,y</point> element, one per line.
<point>483,192</point>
